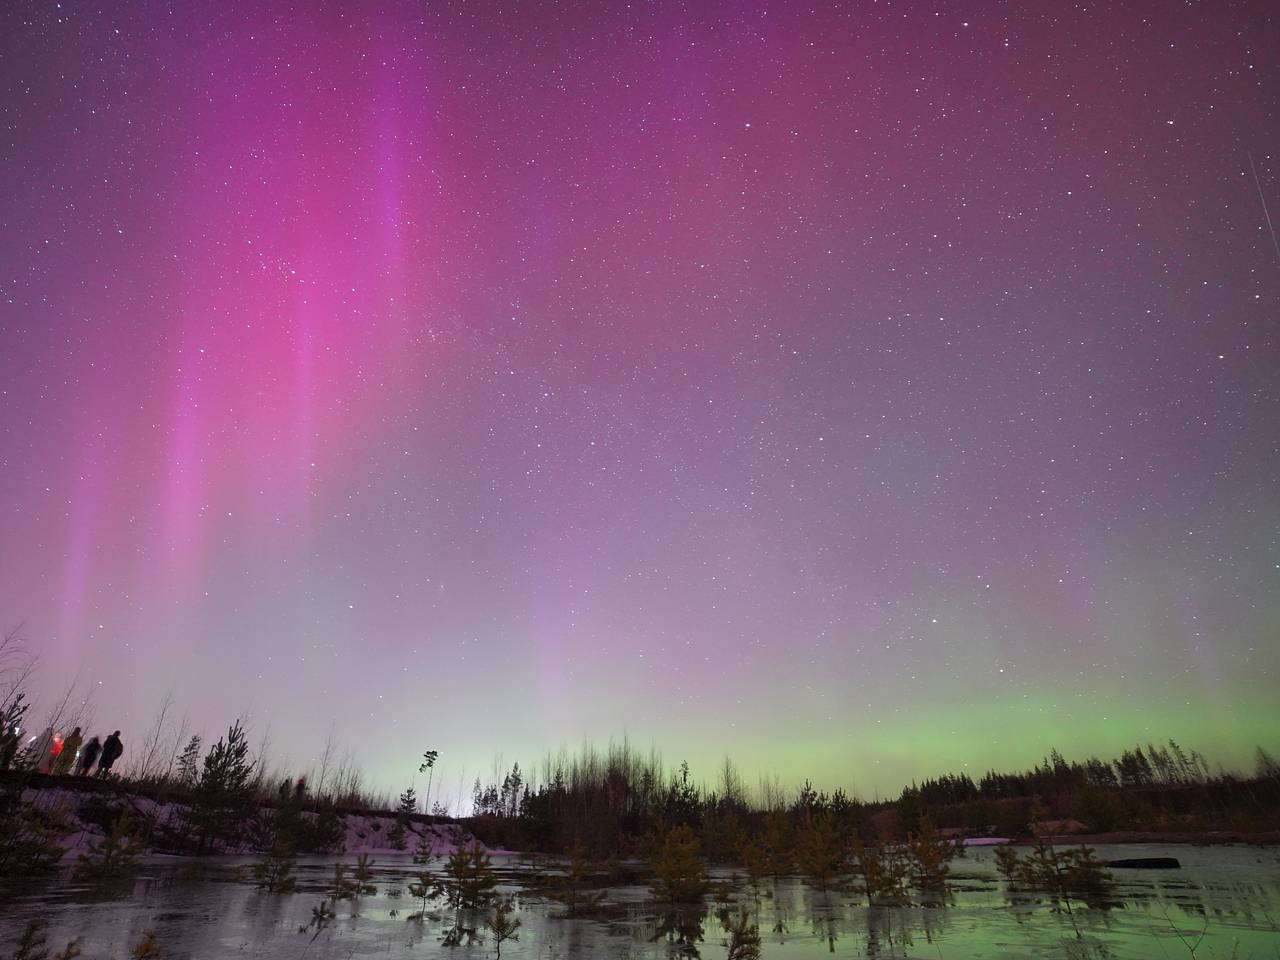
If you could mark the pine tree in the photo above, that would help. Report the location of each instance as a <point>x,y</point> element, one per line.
<point>680,876</point>
<point>778,844</point>
<point>189,761</point>
<point>30,839</point>
<point>408,805</point>
<point>468,880</point>
<point>13,712</point>
<point>821,854</point>
<point>227,768</point>
<point>428,766</point>
<point>468,883</point>
<point>405,810</point>
<point>1074,873</point>
<point>224,791</point>
<point>930,856</point>
<point>572,887</point>
<point>1007,863</point>
<point>340,888</point>
<point>882,870</point>
<point>756,861</point>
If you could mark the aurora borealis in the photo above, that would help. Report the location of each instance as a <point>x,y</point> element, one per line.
<point>865,390</point>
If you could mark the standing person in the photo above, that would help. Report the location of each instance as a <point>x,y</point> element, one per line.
<point>67,756</point>
<point>111,750</point>
<point>88,757</point>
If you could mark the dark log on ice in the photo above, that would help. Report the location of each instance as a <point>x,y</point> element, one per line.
<point>1146,863</point>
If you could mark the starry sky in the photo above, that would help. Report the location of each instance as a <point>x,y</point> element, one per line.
<point>865,390</point>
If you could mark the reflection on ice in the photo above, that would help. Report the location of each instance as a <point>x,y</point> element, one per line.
<point>1225,902</point>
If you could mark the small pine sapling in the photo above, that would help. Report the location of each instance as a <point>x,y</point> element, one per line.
<point>274,872</point>
<point>340,887</point>
<point>820,852</point>
<point>32,945</point>
<point>114,857</point>
<point>468,879</point>
<point>755,859</point>
<point>421,888</point>
<point>148,948</point>
<point>468,882</point>
<point>502,924</point>
<point>362,876</point>
<point>425,851</point>
<point>1007,863</point>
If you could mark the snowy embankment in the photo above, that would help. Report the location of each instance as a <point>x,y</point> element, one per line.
<point>367,833</point>
<point>88,817</point>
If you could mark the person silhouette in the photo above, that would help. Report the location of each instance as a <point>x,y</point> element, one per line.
<point>67,755</point>
<point>111,750</point>
<point>88,757</point>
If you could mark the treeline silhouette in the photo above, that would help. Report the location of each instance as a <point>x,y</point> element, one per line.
<point>615,801</point>
<point>620,801</point>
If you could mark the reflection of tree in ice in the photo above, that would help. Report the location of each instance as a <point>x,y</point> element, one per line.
<point>824,915</point>
<point>743,936</point>
<point>682,928</point>
<point>880,932</point>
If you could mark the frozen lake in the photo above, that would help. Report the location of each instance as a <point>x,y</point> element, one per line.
<point>1225,903</point>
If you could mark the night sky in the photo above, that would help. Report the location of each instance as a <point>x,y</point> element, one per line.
<point>864,390</point>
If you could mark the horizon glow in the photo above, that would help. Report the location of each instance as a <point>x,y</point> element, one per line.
<point>865,393</point>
